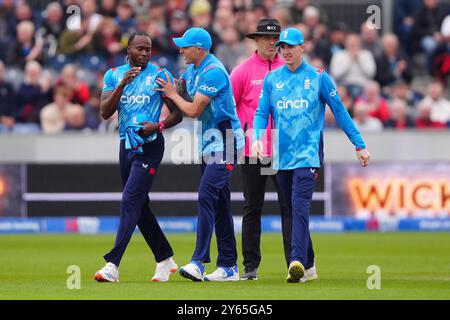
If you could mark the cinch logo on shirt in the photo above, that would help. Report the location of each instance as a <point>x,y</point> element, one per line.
<point>206,88</point>
<point>292,104</point>
<point>142,98</point>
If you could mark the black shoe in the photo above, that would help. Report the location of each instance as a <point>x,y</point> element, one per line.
<point>251,274</point>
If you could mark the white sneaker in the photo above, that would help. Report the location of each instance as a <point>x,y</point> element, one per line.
<point>296,272</point>
<point>310,274</point>
<point>193,271</point>
<point>109,273</point>
<point>224,274</point>
<point>164,269</point>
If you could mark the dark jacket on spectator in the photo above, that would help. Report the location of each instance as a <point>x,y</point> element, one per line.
<point>8,99</point>
<point>31,100</point>
<point>17,54</point>
<point>426,23</point>
<point>385,70</point>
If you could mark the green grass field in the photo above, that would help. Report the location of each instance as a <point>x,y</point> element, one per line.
<point>413,266</point>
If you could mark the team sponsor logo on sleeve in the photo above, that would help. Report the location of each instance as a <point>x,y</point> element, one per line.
<point>209,89</point>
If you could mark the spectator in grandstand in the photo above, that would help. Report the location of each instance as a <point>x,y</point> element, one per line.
<point>404,12</point>
<point>370,39</point>
<point>400,118</point>
<point>231,50</point>
<point>8,100</point>
<point>331,43</point>
<point>75,118</point>
<point>126,21</point>
<point>426,29</point>
<point>246,80</point>
<point>246,21</point>
<point>223,18</point>
<point>423,119</point>
<point>174,5</point>
<point>54,116</point>
<point>142,22</point>
<point>392,64</point>
<point>26,47</point>
<point>6,13</point>
<point>78,90</point>
<point>403,91</point>
<point>178,24</point>
<point>107,40</point>
<point>108,8</point>
<point>435,99</point>
<point>140,6</point>
<point>377,106</point>
<point>353,67</point>
<point>208,83</point>
<point>92,107</point>
<point>200,12</point>
<point>34,93</point>
<point>158,32</point>
<point>362,118</point>
<point>22,12</point>
<point>158,13</point>
<point>7,10</point>
<point>311,18</point>
<point>51,27</point>
<point>298,11</point>
<point>90,20</point>
<point>441,59</point>
<point>282,14</point>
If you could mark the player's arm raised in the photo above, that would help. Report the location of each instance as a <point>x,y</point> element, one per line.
<point>109,100</point>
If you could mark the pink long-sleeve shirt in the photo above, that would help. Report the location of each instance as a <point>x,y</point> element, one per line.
<point>247,80</point>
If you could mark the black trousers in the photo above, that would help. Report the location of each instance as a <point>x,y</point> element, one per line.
<point>254,191</point>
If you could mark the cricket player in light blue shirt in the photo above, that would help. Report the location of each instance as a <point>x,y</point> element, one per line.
<point>295,96</point>
<point>221,138</point>
<point>130,90</point>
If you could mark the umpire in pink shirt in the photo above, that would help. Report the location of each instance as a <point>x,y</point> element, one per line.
<point>247,80</point>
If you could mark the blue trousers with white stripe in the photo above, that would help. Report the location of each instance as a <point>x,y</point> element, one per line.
<point>138,172</point>
<point>298,186</point>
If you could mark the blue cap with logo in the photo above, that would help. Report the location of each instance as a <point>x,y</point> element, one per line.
<point>194,37</point>
<point>291,36</point>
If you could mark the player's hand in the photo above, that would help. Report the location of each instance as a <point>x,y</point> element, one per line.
<point>166,86</point>
<point>363,157</point>
<point>149,127</point>
<point>130,75</point>
<point>180,84</point>
<point>257,150</point>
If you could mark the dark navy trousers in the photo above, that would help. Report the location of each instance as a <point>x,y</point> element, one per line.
<point>298,186</point>
<point>214,211</point>
<point>138,172</point>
